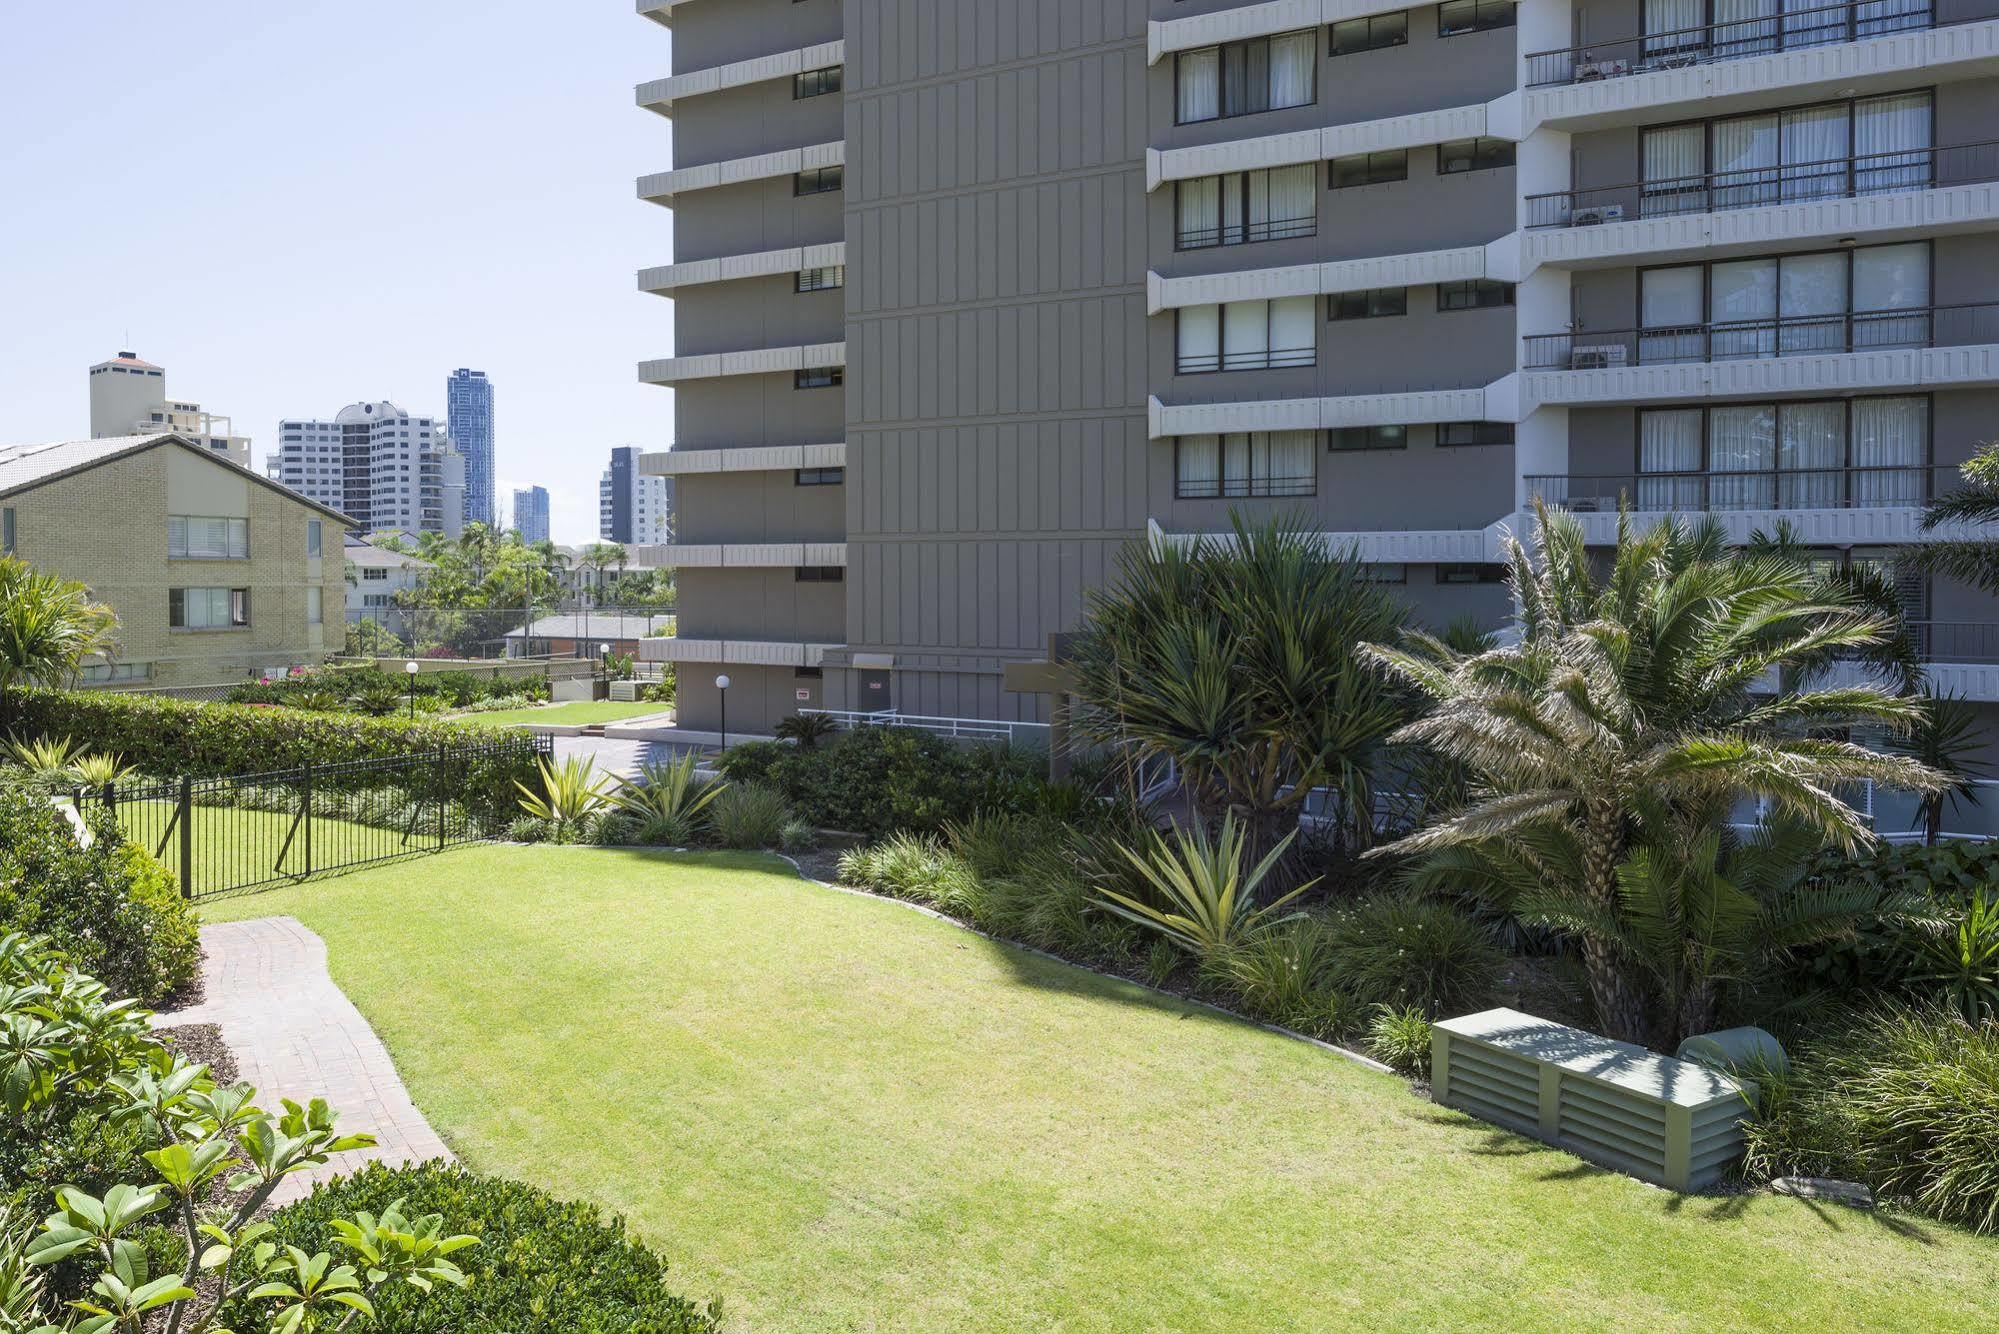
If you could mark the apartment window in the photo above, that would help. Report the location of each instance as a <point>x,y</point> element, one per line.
<point>1368,305</point>
<point>208,608</point>
<point>808,673</point>
<point>819,377</point>
<point>818,180</point>
<point>818,476</point>
<point>1246,336</point>
<point>817,82</point>
<point>1457,17</point>
<point>1474,294</point>
<point>1876,145</point>
<point>314,533</point>
<point>1244,206</point>
<point>1455,435</point>
<point>111,673</point>
<point>373,574</point>
<point>196,538</point>
<point>1370,34</point>
<point>1461,155</point>
<point>1240,78</point>
<point>822,279</point>
<point>374,600</point>
<point>1823,454</point>
<point>1379,573</point>
<point>1827,301</point>
<point>1352,439</point>
<point>1471,574</point>
<point>7,531</point>
<point>819,574</point>
<point>315,605</point>
<point>1255,463</point>
<point>1368,169</point>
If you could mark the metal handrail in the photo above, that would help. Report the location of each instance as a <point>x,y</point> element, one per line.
<point>1269,359</point>
<point>1969,642</point>
<point>1750,340</point>
<point>962,729</point>
<point>1702,492</point>
<point>1735,39</point>
<point>1896,172</point>
<point>1272,229</point>
<point>1303,485</point>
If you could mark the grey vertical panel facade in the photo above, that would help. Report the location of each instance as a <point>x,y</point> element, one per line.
<point>996,327</point>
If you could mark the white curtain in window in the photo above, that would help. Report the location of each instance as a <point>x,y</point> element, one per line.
<point>1200,91</point>
<point>1293,458</point>
<point>1294,328</point>
<point>1814,149</point>
<point>1891,137</point>
<point>1674,160</point>
<point>1745,161</point>
<point>1200,339</point>
<point>1890,435</point>
<point>1256,204</point>
<point>1892,278</point>
<point>1294,199</point>
<point>1874,17</point>
<point>1812,297</point>
<point>1744,27</point>
<point>1199,464</point>
<point>1245,335</point>
<point>1292,57</point>
<point>1742,299</point>
<point>1666,22</point>
<point>1670,315</point>
<point>1200,210</point>
<point>1232,212</point>
<point>1812,23</point>
<point>1235,465</point>
<point>1669,441</point>
<point>1811,449</point>
<point>1741,440</point>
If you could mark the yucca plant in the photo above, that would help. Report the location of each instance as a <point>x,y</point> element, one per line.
<point>671,793</point>
<point>1209,892</point>
<point>49,757</point>
<point>1959,958</point>
<point>807,729</point>
<point>571,794</point>
<point>100,770</point>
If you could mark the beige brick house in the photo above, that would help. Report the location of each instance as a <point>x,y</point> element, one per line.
<point>214,571</point>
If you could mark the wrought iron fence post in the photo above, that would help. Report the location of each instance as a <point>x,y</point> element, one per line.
<point>111,799</point>
<point>305,797</point>
<point>186,837</point>
<point>439,783</point>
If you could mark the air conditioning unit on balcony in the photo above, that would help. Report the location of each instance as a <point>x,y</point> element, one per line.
<point>1597,215</point>
<point>1674,60</point>
<point>1602,69</point>
<point>1585,504</point>
<point>1600,357</point>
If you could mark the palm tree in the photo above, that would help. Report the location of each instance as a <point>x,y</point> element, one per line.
<point>1972,560</point>
<point>1237,660</point>
<point>1633,711</point>
<point>48,626</point>
<point>1947,737</point>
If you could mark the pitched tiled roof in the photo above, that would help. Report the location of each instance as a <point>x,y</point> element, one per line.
<point>25,466</point>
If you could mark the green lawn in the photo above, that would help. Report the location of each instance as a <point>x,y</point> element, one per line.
<point>241,847</point>
<point>582,712</point>
<point>840,1114</point>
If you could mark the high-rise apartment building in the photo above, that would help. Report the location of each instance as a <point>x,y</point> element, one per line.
<point>633,507</point>
<point>129,397</point>
<point>468,411</point>
<point>969,295</point>
<point>531,513</point>
<point>384,468</point>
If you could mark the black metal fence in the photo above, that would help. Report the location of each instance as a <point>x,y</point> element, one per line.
<point>250,831</point>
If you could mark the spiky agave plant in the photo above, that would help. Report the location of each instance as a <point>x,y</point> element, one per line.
<point>672,792</point>
<point>571,794</point>
<point>100,770</point>
<point>46,757</point>
<point>1207,885</point>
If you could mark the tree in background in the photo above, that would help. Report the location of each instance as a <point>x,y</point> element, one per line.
<point>1947,737</point>
<point>48,627</point>
<point>1238,660</point>
<point>1972,560</point>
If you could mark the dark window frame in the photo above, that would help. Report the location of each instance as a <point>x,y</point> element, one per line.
<point>1379,32</point>
<point>1376,434</point>
<point>1369,303</point>
<point>1486,16</point>
<point>1251,490</point>
<point>1233,66</point>
<point>1470,572</point>
<point>1485,153</point>
<point>1479,289</point>
<point>1476,434</point>
<point>1272,229</point>
<point>819,476</point>
<point>814,180</point>
<point>819,377</point>
<point>815,83</point>
<point>1381,168</point>
<point>819,574</point>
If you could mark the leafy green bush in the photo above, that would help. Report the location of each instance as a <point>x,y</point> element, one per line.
<point>114,910</point>
<point>1957,958</point>
<point>1400,1039</point>
<point>541,1263</point>
<point>1284,973</point>
<point>1905,1100</point>
<point>170,737</point>
<point>881,780</point>
<point>749,816</point>
<point>1401,951</point>
<point>372,690</point>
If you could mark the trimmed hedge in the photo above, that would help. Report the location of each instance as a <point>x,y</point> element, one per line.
<point>541,1263</point>
<point>110,907</point>
<point>176,738</point>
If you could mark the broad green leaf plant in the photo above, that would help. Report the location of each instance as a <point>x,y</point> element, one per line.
<point>61,1034</point>
<point>1209,892</point>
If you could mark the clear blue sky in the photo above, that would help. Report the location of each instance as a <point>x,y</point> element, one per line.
<point>295,206</point>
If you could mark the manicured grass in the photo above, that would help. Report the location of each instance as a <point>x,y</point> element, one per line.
<point>840,1114</point>
<point>235,847</point>
<point>582,712</point>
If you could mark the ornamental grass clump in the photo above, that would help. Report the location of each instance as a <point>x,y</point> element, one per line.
<point>748,816</point>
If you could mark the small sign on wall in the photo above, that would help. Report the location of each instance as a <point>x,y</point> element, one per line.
<point>804,696</point>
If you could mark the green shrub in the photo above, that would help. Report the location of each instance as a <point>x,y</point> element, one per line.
<point>170,737</point>
<point>882,780</point>
<point>541,1263</point>
<point>1401,951</point>
<point>666,831</point>
<point>749,816</point>
<point>797,836</point>
<point>1905,1100</point>
<point>1161,962</point>
<point>1207,886</point>
<point>1957,958</point>
<point>1284,973</point>
<point>1400,1039</point>
<point>114,910</point>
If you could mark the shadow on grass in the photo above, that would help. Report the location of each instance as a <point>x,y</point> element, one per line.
<point>1490,1141</point>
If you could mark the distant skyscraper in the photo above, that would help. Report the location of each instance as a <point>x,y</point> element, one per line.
<point>531,513</point>
<point>129,397</point>
<point>468,409</point>
<point>633,508</point>
<point>377,463</point>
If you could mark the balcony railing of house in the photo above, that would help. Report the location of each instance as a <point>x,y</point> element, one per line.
<point>1189,488</point>
<point>1752,340</point>
<point>1737,39</point>
<point>1255,359</point>
<point>1971,642</point>
<point>1241,233</point>
<point>1895,172</point>
<point>1763,489</point>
